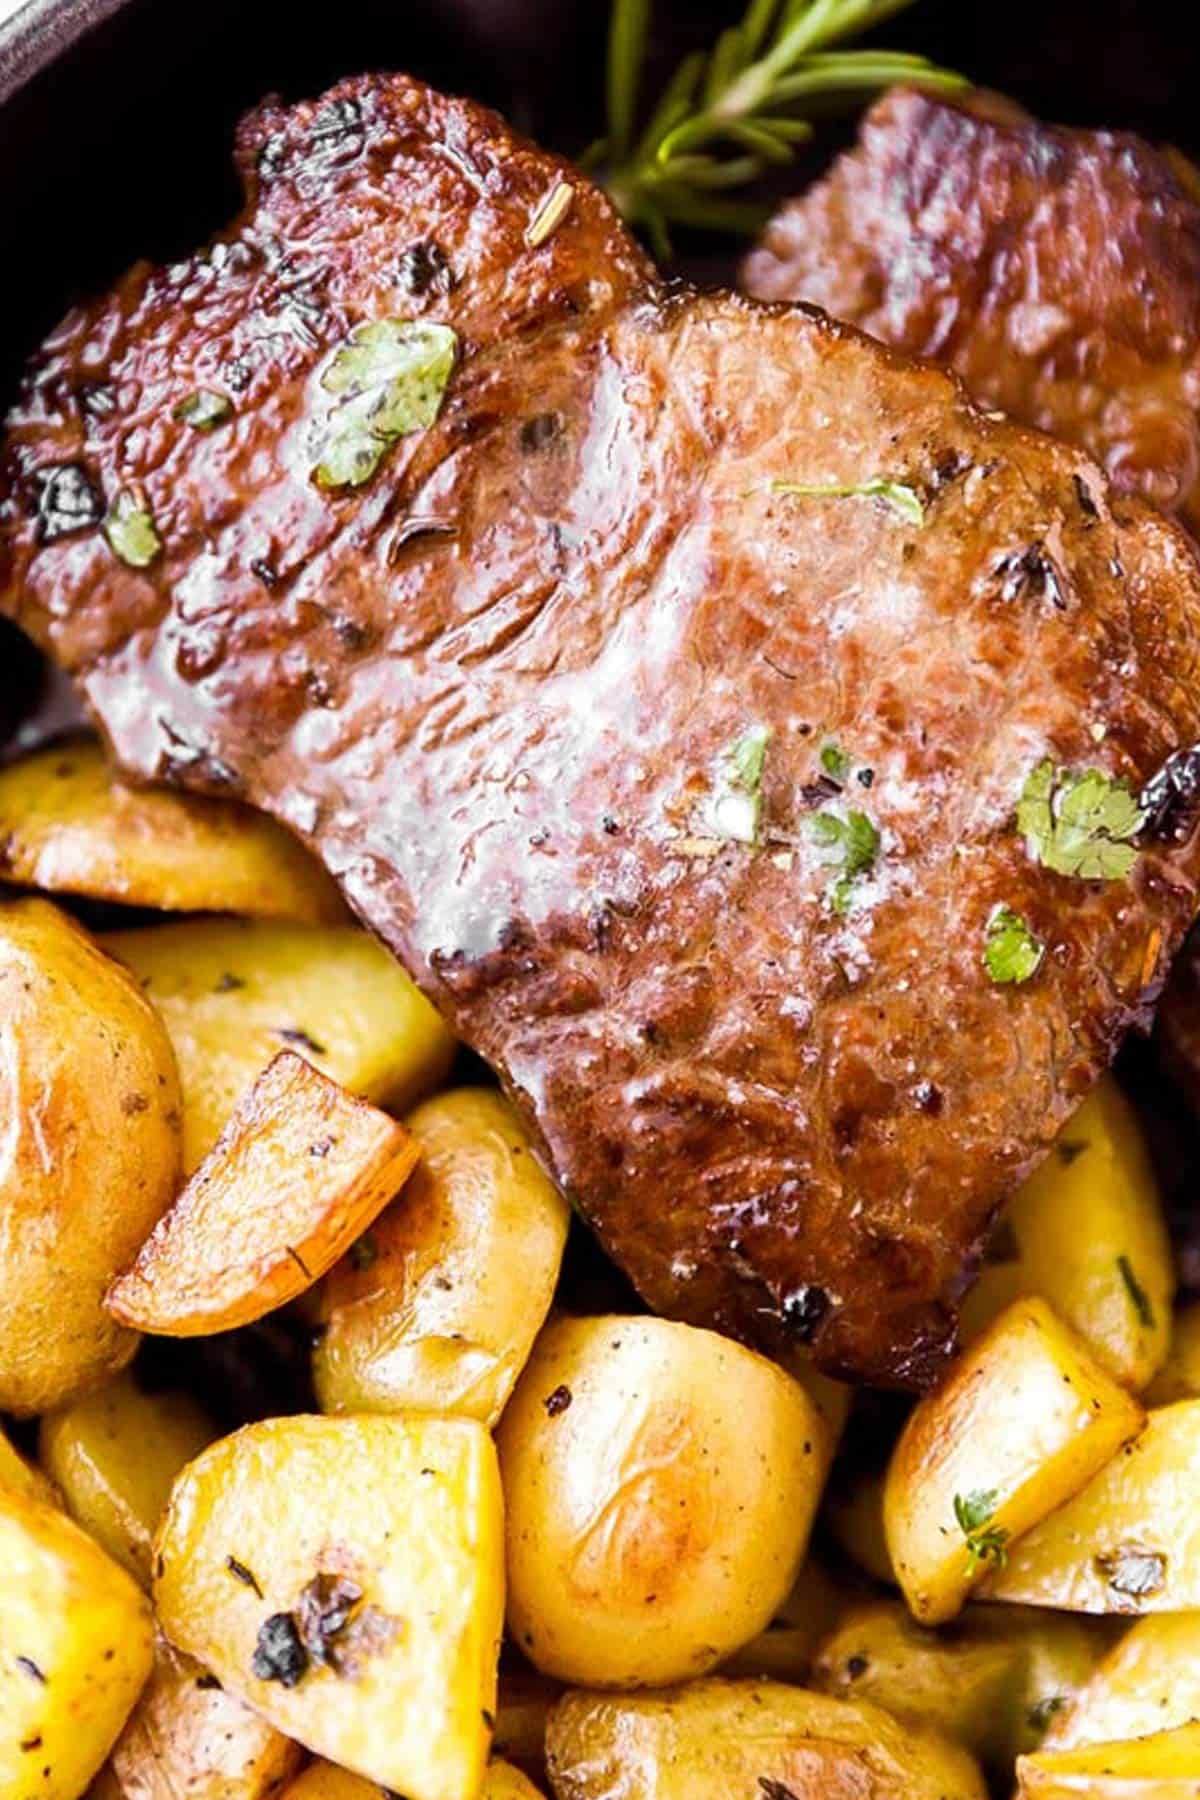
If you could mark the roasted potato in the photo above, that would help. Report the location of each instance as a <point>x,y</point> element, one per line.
<point>1165,1766</point>
<point>22,1477</point>
<point>660,1483</point>
<point>1179,1377</point>
<point>187,1739</point>
<point>437,1310</point>
<point>324,1781</point>
<point>69,825</point>
<point>854,1515</point>
<point>503,1782</point>
<point>301,1168</point>
<point>784,1651</point>
<point>523,1703</point>
<point>114,1454</point>
<point>747,1740</point>
<point>1086,1232</point>
<point>234,992</point>
<point>1023,1421</point>
<point>345,1578</point>
<point>1129,1541</point>
<point>1149,1681</point>
<point>89,1151</point>
<point>76,1644</point>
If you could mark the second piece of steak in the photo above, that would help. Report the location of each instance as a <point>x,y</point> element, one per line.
<point>663,691</point>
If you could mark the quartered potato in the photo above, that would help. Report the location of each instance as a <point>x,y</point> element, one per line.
<point>1179,1377</point>
<point>1165,1766</point>
<point>1149,1681</point>
<point>747,1740</point>
<point>1128,1542</point>
<point>114,1454</point>
<point>1086,1232</point>
<point>76,1644</point>
<point>299,1171</point>
<point>660,1484</point>
<point>234,992</point>
<point>345,1578</point>
<point>187,1739</point>
<point>89,1151</point>
<point>437,1309</point>
<point>69,825</point>
<point>1024,1420</point>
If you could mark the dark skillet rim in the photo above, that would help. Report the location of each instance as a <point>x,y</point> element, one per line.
<point>40,32</point>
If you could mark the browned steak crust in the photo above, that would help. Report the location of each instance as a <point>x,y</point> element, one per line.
<point>1058,272</point>
<point>494,688</point>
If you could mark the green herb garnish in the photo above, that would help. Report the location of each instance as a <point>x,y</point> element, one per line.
<point>1079,824</point>
<point>901,498</point>
<point>855,839</point>
<point>985,1542</point>
<point>1011,952</point>
<point>389,377</point>
<point>729,115</point>
<point>1141,1300</point>
<point>131,532</point>
<point>835,762</point>
<point>204,410</point>
<point>550,214</point>
<point>1041,1714</point>
<point>735,806</point>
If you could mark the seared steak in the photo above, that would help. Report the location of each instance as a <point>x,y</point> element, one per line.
<point>689,798</point>
<point>1058,272</point>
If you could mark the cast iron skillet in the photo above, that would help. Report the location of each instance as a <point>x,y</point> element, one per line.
<point>116,115</point>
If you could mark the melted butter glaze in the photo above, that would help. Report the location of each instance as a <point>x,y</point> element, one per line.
<point>491,688</point>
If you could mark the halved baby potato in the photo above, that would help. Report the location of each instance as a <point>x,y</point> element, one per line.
<point>345,1578</point>
<point>1128,1542</point>
<point>661,1483</point>
<point>114,1454</point>
<point>76,1644</point>
<point>1164,1766</point>
<point>234,992</point>
<point>1086,1232</point>
<point>1149,1681</point>
<point>89,1151</point>
<point>69,825</point>
<point>187,1739</point>
<point>301,1168</point>
<point>747,1740</point>
<point>1024,1420</point>
<point>437,1309</point>
<point>324,1781</point>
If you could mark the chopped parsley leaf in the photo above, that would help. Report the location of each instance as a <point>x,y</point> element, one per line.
<point>985,1542</point>
<point>835,762</point>
<point>855,840</point>
<point>389,378</point>
<point>735,807</point>
<point>204,410</point>
<point>1079,825</point>
<point>1011,951</point>
<point>1141,1300</point>
<point>902,499</point>
<point>131,531</point>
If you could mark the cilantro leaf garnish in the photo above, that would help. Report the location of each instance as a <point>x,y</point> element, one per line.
<point>896,494</point>
<point>855,840</point>
<point>131,531</point>
<point>986,1542</point>
<point>735,807</point>
<point>1141,1300</point>
<point>835,762</point>
<point>1011,952</point>
<point>1079,824</point>
<point>389,378</point>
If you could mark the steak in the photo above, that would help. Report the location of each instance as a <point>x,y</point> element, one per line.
<point>1056,271</point>
<point>659,675</point>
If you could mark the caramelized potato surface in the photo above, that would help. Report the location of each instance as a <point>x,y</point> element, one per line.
<point>1149,1681</point>
<point>1165,1766</point>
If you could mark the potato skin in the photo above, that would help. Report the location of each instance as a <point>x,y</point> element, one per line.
<point>725,1740</point>
<point>114,1454</point>
<point>1149,1681</point>
<point>1162,1766</point>
<point>441,1315</point>
<point>89,1151</point>
<point>660,1484</point>
<point>76,1644</point>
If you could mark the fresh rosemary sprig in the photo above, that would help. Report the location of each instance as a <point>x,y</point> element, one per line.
<point>728,115</point>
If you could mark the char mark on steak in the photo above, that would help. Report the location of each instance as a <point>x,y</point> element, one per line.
<point>663,697</point>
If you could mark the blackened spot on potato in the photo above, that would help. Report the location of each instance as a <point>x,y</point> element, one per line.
<point>69,501</point>
<point>322,1614</point>
<point>241,1573</point>
<point>31,1669</point>
<point>558,1401</point>
<point>856,1667</point>
<point>1170,800</point>
<point>803,1310</point>
<point>425,269</point>
<point>294,1034</point>
<point>208,1683</point>
<point>279,1654</point>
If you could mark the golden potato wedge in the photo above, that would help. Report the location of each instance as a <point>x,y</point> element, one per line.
<point>70,826</point>
<point>437,1310</point>
<point>234,992</point>
<point>22,1477</point>
<point>1165,1766</point>
<point>187,1739</point>
<point>114,1454</point>
<point>661,1483</point>
<point>746,1740</point>
<point>1023,1421</point>
<point>1111,1280</point>
<point>89,1151</point>
<point>76,1644</point>
<point>1128,1542</point>
<point>1148,1682</point>
<point>301,1168</point>
<point>345,1578</point>
<point>1179,1377</point>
